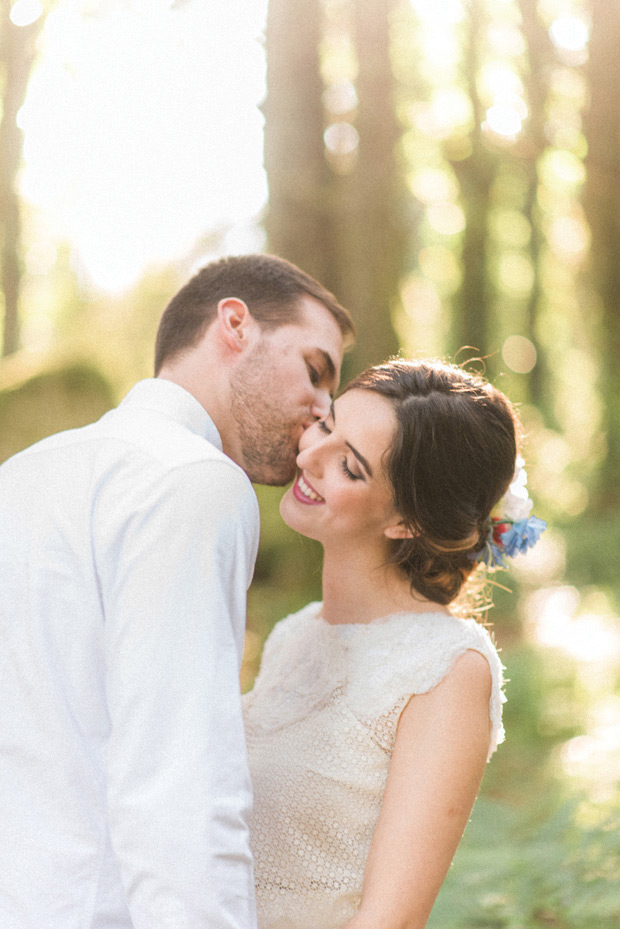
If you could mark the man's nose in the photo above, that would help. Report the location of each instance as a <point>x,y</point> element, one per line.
<point>322,403</point>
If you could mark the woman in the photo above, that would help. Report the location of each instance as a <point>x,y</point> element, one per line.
<point>374,713</point>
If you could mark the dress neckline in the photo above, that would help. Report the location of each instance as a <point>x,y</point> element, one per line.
<point>314,612</point>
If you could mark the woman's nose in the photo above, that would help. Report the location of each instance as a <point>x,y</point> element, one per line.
<point>309,448</point>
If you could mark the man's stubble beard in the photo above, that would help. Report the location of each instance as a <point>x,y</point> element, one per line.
<point>268,440</point>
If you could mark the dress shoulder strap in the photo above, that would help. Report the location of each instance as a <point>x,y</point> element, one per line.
<point>394,659</point>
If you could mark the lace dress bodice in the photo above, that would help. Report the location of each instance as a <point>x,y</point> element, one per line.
<point>321,723</point>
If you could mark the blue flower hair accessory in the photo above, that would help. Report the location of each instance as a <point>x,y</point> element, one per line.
<point>512,528</point>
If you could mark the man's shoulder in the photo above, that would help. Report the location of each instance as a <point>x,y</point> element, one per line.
<point>149,435</point>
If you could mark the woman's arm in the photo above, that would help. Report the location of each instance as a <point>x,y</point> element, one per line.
<point>438,761</point>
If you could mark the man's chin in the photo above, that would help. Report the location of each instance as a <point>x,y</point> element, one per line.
<point>272,476</point>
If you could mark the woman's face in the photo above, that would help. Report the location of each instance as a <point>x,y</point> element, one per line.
<point>342,494</point>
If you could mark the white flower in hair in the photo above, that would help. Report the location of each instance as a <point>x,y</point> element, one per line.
<point>511,528</point>
<point>516,503</point>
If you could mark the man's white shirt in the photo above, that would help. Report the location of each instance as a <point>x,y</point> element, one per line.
<point>126,550</point>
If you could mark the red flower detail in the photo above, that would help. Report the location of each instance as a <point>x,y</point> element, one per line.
<point>498,530</point>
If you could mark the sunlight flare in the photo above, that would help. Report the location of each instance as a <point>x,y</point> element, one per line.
<point>130,153</point>
<point>569,33</point>
<point>25,12</point>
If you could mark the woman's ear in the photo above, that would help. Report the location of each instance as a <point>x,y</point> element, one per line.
<point>399,531</point>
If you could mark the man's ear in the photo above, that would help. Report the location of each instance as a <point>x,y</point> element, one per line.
<point>399,531</point>
<point>234,321</point>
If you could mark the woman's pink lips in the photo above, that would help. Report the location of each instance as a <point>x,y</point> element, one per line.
<point>299,495</point>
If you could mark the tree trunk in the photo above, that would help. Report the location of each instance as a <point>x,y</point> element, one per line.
<point>298,221</point>
<point>475,175</point>
<point>602,204</point>
<point>540,55</point>
<point>17,52</point>
<point>371,216</point>
<point>345,229</point>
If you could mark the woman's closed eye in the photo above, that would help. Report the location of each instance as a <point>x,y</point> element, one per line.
<point>344,465</point>
<point>350,474</point>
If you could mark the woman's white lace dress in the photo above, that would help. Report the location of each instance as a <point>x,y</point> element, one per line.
<point>321,723</point>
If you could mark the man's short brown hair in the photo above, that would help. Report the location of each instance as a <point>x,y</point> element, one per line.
<point>270,287</point>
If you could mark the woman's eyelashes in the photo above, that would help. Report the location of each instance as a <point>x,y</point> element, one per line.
<point>344,466</point>
<point>347,471</point>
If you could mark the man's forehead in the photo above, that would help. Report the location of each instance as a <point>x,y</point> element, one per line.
<point>317,320</point>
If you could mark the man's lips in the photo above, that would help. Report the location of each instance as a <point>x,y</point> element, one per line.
<point>305,493</point>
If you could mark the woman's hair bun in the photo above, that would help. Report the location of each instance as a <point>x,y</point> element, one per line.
<point>452,459</point>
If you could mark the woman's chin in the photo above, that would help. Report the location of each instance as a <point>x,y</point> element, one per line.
<point>293,513</point>
<point>287,508</point>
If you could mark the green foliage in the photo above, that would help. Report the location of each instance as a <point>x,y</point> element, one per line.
<point>536,853</point>
<point>554,865</point>
<point>63,398</point>
<point>592,546</point>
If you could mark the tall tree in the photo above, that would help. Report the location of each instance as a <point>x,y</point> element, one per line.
<point>17,53</point>
<point>540,56</point>
<point>602,204</point>
<point>346,229</point>
<point>300,216</point>
<point>475,176</point>
<point>372,234</point>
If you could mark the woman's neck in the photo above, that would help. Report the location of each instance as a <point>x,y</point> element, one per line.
<point>358,589</point>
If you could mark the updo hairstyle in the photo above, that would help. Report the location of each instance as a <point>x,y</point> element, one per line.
<point>452,460</point>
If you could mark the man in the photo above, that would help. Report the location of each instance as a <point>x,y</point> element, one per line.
<point>126,549</point>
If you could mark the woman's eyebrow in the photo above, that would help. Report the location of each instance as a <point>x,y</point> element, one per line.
<point>360,458</point>
<point>363,461</point>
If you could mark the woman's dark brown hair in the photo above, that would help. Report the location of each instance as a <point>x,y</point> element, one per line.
<point>452,459</point>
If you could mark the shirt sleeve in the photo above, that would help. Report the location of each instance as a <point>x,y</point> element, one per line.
<point>175,557</point>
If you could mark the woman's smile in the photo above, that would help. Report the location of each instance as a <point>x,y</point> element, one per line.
<point>305,493</point>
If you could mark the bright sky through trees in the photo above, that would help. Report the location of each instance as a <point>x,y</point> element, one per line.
<point>142,129</point>
<point>143,133</point>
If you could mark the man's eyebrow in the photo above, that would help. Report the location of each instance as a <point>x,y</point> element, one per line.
<point>358,455</point>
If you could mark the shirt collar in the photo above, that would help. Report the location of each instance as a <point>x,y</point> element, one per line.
<point>171,400</point>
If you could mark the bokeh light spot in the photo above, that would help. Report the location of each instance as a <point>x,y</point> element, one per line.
<point>504,120</point>
<point>341,138</point>
<point>340,99</point>
<point>446,218</point>
<point>440,265</point>
<point>433,186</point>
<point>569,237</point>
<point>516,274</point>
<point>519,353</point>
<point>569,33</point>
<point>449,110</point>
<point>561,169</point>
<point>25,12</point>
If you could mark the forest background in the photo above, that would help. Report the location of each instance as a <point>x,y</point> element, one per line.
<point>451,170</point>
